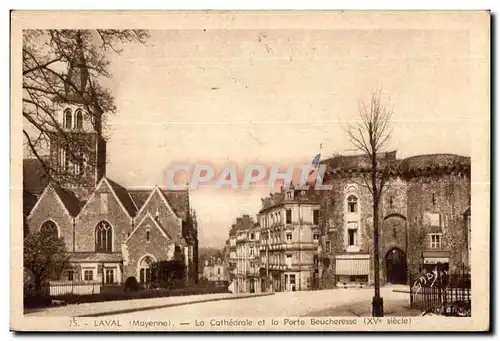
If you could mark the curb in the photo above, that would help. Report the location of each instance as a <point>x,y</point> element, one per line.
<point>168,305</point>
<point>402,291</point>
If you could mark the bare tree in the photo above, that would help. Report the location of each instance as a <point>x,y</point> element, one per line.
<point>369,135</point>
<point>67,66</point>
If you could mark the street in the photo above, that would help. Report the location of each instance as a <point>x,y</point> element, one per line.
<point>337,302</point>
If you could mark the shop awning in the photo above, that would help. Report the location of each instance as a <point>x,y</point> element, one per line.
<point>435,257</point>
<point>346,265</point>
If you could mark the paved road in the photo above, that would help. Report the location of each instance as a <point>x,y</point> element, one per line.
<point>106,308</point>
<point>337,302</point>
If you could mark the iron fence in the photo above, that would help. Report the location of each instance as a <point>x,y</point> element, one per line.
<point>61,288</point>
<point>441,292</point>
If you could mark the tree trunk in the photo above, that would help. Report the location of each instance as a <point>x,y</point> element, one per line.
<point>378,308</point>
<point>38,284</point>
<point>376,255</point>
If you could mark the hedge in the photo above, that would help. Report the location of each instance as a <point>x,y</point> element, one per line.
<point>117,294</point>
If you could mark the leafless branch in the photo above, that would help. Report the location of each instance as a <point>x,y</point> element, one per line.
<point>47,57</point>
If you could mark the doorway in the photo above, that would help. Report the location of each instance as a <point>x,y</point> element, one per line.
<point>252,286</point>
<point>396,267</point>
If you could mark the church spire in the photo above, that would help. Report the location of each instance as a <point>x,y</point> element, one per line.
<point>78,75</point>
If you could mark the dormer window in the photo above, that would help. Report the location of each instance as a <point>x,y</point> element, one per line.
<point>352,204</point>
<point>289,195</point>
<point>79,119</point>
<point>68,119</point>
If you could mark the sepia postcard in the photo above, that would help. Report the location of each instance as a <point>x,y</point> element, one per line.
<point>250,171</point>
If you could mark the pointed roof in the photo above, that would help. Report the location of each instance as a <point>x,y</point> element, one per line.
<point>178,200</point>
<point>123,195</point>
<point>69,199</point>
<point>65,197</point>
<point>139,196</point>
<point>29,201</point>
<point>35,177</point>
<point>131,201</point>
<point>155,222</point>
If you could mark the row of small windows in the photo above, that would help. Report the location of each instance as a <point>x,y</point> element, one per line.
<point>73,122</point>
<point>352,203</point>
<point>88,275</point>
<point>276,237</point>
<point>276,218</point>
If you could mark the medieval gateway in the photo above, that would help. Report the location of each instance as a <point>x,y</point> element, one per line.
<point>306,240</point>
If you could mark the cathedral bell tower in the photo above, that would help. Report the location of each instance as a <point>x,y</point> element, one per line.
<point>78,150</point>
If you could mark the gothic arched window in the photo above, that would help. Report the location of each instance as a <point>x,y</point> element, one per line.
<point>79,119</point>
<point>352,204</point>
<point>63,158</point>
<point>103,237</point>
<point>80,165</point>
<point>49,228</point>
<point>68,119</point>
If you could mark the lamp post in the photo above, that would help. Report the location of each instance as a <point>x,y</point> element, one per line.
<point>406,251</point>
<point>377,301</point>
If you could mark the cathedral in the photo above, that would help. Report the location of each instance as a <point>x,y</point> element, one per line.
<point>111,232</point>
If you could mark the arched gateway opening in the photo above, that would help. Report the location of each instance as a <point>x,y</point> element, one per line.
<point>396,267</point>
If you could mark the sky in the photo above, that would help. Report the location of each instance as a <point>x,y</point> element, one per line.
<point>239,97</point>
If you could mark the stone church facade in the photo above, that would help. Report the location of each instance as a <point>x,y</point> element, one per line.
<point>111,232</point>
<point>424,219</point>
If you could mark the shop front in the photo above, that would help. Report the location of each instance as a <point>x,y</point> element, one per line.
<point>433,259</point>
<point>352,270</point>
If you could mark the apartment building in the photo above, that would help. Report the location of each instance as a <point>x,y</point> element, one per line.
<point>245,235</point>
<point>290,240</point>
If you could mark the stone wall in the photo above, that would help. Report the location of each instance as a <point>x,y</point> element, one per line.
<point>91,215</point>
<point>51,208</point>
<point>408,199</point>
<point>160,248</point>
<point>167,219</point>
<point>446,195</point>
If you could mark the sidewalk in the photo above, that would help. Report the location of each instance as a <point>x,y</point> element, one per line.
<point>396,303</point>
<point>401,288</point>
<point>129,306</point>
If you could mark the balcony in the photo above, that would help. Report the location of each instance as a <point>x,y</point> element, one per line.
<point>253,272</point>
